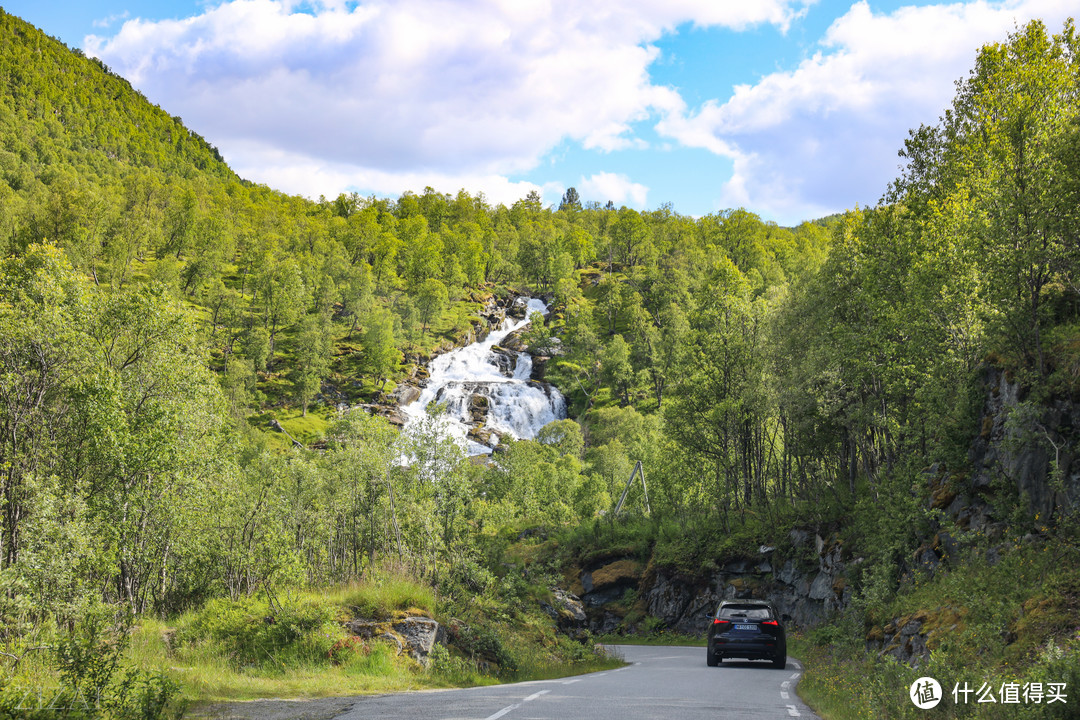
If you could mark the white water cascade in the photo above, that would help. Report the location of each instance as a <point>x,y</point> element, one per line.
<point>468,378</point>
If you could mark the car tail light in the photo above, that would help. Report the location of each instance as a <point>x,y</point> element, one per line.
<point>721,622</point>
<point>770,622</point>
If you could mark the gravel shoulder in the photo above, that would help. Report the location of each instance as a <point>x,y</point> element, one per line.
<point>313,709</point>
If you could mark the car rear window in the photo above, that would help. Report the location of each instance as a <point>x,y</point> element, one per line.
<point>748,612</point>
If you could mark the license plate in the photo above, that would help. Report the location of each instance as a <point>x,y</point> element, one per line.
<point>745,627</point>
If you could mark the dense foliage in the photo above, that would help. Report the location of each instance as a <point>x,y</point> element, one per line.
<point>156,311</point>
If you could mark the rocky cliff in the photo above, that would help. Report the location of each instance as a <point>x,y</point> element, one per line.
<point>622,594</point>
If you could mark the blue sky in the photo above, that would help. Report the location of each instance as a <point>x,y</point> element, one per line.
<point>791,108</point>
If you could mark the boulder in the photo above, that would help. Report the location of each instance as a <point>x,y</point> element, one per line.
<point>804,594</point>
<point>415,635</point>
<point>821,588</point>
<point>392,413</point>
<point>1022,442</point>
<point>539,367</point>
<point>620,573</point>
<point>668,597</point>
<point>513,342</point>
<point>519,309</point>
<point>505,360</point>
<point>478,408</point>
<point>494,318</point>
<point>568,612</point>
<point>405,394</point>
<point>483,436</point>
<point>420,635</point>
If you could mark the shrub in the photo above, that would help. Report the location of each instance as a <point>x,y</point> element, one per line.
<point>94,681</point>
<point>252,634</point>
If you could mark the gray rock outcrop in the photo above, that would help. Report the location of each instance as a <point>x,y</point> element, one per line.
<point>1029,445</point>
<point>414,635</point>
<point>804,594</point>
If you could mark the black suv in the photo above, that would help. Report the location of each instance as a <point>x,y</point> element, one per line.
<point>748,629</point>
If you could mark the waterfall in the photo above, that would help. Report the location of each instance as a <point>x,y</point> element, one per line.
<point>489,392</point>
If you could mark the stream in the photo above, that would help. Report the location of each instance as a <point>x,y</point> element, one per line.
<point>488,393</point>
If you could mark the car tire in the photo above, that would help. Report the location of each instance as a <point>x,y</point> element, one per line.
<point>711,659</point>
<point>780,662</point>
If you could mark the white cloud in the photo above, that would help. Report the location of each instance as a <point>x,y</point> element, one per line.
<point>825,135</point>
<point>455,89</point>
<point>107,21</point>
<point>617,188</point>
<point>298,174</point>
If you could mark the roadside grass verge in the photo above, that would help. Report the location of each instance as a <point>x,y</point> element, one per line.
<point>298,647</point>
<point>991,628</point>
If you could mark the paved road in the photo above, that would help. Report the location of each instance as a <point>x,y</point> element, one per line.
<point>661,682</point>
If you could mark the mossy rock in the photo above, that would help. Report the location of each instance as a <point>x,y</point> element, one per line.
<point>621,572</point>
<point>572,580</point>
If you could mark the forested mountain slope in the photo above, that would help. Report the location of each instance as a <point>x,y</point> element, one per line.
<point>62,109</point>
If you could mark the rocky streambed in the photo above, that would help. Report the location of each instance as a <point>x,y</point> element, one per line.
<point>488,387</point>
<point>490,381</point>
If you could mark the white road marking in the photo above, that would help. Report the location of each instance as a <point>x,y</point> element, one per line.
<point>785,684</point>
<point>571,682</point>
<point>502,712</point>
<point>793,711</point>
<point>797,665</point>
<point>515,706</point>
<point>795,676</point>
<point>784,696</point>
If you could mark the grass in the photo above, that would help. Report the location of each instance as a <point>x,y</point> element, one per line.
<point>549,671</point>
<point>1012,622</point>
<point>391,593</point>
<point>208,674</point>
<point>307,429</point>
<point>244,650</point>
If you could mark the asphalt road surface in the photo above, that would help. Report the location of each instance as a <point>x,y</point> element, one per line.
<point>660,682</point>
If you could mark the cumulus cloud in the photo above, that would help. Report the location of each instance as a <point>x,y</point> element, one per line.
<point>299,174</point>
<point>818,138</point>
<point>619,189</point>
<point>408,87</point>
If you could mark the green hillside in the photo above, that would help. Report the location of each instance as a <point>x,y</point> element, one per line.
<point>62,110</point>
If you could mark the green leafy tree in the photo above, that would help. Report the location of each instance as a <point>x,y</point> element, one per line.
<point>282,297</point>
<point>364,458</point>
<point>618,372</point>
<point>570,200</point>
<point>1021,99</point>
<point>432,301</point>
<point>381,354</point>
<point>311,361</point>
<point>44,310</point>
